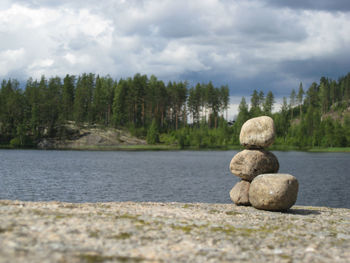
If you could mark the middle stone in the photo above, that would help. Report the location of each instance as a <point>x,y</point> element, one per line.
<point>248,164</point>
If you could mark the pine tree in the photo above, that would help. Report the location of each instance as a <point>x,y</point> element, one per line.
<point>83,98</point>
<point>242,117</point>
<point>261,100</point>
<point>292,102</point>
<point>282,121</point>
<point>121,105</point>
<point>268,103</point>
<point>300,97</point>
<point>68,97</point>
<point>140,83</point>
<point>255,104</point>
<point>225,99</point>
<point>53,105</point>
<point>191,104</point>
<point>243,113</point>
<point>312,96</point>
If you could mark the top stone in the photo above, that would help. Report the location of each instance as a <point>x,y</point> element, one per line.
<point>258,132</point>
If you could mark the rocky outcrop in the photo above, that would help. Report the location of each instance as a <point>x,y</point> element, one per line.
<point>85,136</point>
<point>170,232</point>
<point>46,144</point>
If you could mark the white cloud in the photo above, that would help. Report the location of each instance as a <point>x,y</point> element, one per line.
<point>47,35</point>
<point>18,17</point>
<point>42,63</point>
<point>11,59</point>
<point>231,42</point>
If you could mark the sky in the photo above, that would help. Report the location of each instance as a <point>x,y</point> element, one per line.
<point>268,45</point>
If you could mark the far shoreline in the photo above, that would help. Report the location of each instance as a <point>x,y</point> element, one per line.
<point>162,147</point>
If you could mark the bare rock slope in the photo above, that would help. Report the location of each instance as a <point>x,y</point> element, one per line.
<point>170,232</point>
<point>85,137</point>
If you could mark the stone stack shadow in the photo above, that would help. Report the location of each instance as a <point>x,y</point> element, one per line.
<point>261,186</point>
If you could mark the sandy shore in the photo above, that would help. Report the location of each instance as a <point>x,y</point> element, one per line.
<point>170,232</point>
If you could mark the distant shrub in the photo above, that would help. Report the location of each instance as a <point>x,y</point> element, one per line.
<point>153,133</point>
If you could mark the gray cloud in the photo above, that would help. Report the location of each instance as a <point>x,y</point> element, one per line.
<point>52,3</point>
<point>332,67</point>
<point>268,25</point>
<point>333,5</point>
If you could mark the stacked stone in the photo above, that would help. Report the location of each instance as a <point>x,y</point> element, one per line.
<point>261,186</point>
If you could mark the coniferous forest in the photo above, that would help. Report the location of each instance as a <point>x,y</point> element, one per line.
<point>172,113</point>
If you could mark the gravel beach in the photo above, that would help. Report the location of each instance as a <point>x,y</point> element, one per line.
<point>170,232</point>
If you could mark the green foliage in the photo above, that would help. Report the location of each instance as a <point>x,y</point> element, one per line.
<point>268,103</point>
<point>68,97</point>
<point>255,109</point>
<point>153,133</point>
<point>83,98</point>
<point>173,114</point>
<point>102,101</point>
<point>140,132</point>
<point>202,137</point>
<point>313,121</point>
<point>120,104</point>
<point>16,142</point>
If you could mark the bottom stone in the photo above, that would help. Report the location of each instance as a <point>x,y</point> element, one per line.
<point>273,192</point>
<point>240,193</point>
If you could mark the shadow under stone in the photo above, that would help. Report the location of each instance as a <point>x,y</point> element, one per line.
<point>304,212</point>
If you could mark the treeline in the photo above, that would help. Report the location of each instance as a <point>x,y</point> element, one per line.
<point>171,113</point>
<point>317,117</point>
<point>141,104</point>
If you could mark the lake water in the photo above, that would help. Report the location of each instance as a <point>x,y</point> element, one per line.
<point>165,176</point>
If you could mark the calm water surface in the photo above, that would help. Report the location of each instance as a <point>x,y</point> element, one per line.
<point>179,176</point>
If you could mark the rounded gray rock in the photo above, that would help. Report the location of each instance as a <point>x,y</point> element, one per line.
<point>258,132</point>
<point>239,194</point>
<point>248,164</point>
<point>273,192</point>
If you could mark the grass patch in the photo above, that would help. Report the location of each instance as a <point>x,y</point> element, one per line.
<point>3,230</point>
<point>246,232</point>
<point>62,216</point>
<point>138,147</point>
<point>330,149</point>
<point>188,228</point>
<point>126,216</point>
<point>68,206</point>
<point>307,149</point>
<point>134,218</point>
<point>123,235</point>
<point>39,212</point>
<point>284,256</point>
<point>185,228</point>
<point>94,258</point>
<point>232,213</point>
<point>154,147</point>
<point>285,148</point>
<point>94,234</point>
<point>188,206</point>
<point>230,230</point>
<point>6,147</point>
<point>129,259</point>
